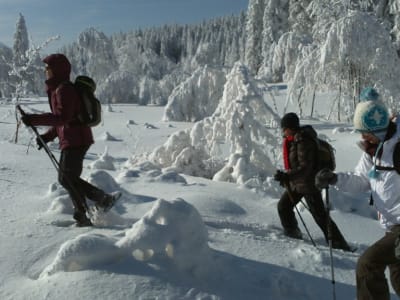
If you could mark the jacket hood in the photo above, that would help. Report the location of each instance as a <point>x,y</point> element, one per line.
<point>60,66</point>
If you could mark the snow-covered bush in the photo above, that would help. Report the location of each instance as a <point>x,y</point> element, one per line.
<point>234,144</point>
<point>104,162</point>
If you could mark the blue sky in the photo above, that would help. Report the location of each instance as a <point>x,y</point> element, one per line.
<point>46,18</point>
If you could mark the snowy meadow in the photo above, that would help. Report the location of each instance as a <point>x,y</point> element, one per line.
<point>171,235</point>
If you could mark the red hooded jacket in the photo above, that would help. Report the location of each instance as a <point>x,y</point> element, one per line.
<point>65,104</point>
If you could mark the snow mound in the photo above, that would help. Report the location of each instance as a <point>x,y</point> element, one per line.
<point>61,205</point>
<point>105,162</point>
<point>131,122</point>
<point>128,175</point>
<point>83,252</point>
<point>171,177</point>
<point>106,136</point>
<point>171,232</point>
<point>60,200</point>
<point>150,126</point>
<point>104,181</point>
<point>147,166</point>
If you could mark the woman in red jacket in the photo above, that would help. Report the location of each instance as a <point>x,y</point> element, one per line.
<point>74,138</point>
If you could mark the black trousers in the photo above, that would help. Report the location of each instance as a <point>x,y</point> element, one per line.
<point>317,209</point>
<point>71,165</point>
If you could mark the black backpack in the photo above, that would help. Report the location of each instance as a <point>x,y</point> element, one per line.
<point>90,114</point>
<point>326,155</point>
<point>326,152</point>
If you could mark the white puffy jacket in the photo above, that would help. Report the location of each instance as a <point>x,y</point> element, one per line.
<point>385,189</point>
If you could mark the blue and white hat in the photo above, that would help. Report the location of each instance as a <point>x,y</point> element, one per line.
<point>371,114</point>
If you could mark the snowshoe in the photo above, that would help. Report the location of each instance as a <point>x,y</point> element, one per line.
<point>82,220</point>
<point>293,233</point>
<point>108,201</point>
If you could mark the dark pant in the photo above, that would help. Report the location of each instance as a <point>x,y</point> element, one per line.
<point>71,164</point>
<point>370,273</point>
<point>317,209</point>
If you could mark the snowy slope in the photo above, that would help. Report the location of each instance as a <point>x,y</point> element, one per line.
<point>171,236</point>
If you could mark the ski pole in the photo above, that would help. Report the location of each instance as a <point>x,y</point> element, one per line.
<point>330,241</point>
<point>53,158</point>
<point>287,186</point>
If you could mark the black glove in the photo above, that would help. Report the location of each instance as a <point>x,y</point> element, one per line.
<point>39,142</point>
<point>26,119</point>
<point>324,178</point>
<point>281,177</point>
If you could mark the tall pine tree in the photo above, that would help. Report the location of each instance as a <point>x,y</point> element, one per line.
<point>21,42</point>
<point>254,28</point>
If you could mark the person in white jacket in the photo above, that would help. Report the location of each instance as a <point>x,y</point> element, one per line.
<point>375,173</point>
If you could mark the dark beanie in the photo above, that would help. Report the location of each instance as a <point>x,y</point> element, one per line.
<point>290,120</point>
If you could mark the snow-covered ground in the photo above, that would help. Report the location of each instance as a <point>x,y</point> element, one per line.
<point>171,236</point>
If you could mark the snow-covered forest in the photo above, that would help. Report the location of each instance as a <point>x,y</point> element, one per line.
<point>313,45</point>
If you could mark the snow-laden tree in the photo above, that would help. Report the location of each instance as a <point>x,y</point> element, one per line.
<point>275,24</point>
<point>119,86</point>
<point>159,57</point>
<point>234,144</point>
<point>197,97</point>
<point>21,68</point>
<point>287,53</point>
<point>299,18</point>
<point>350,59</point>
<point>395,12</point>
<point>21,42</point>
<point>26,67</point>
<point>206,54</point>
<point>92,55</point>
<point>21,75</point>
<point>254,29</point>
<point>5,58</point>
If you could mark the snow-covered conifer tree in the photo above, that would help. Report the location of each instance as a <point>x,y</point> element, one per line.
<point>5,58</point>
<point>254,29</point>
<point>21,42</point>
<point>276,23</point>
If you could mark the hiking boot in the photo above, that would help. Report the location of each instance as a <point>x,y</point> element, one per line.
<point>108,201</point>
<point>293,233</point>
<point>342,245</point>
<point>82,220</point>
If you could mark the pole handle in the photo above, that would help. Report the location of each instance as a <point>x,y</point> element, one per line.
<point>21,111</point>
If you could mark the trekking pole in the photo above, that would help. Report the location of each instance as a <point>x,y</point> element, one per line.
<point>43,143</point>
<point>53,159</point>
<point>330,241</point>
<point>298,212</point>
